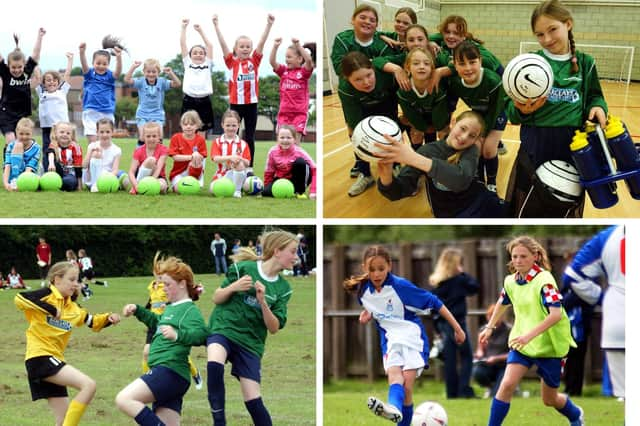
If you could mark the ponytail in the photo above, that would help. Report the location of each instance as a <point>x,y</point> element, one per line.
<point>574,59</point>
<point>16,54</point>
<point>245,253</point>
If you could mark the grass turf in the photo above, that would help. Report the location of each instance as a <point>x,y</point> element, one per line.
<point>345,402</point>
<point>112,357</point>
<point>123,205</point>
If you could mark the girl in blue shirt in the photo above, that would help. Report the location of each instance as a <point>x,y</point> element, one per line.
<point>394,303</point>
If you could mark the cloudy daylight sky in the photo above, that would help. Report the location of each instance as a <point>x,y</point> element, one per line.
<point>151,29</point>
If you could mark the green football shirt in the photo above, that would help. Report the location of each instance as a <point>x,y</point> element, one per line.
<point>240,318</point>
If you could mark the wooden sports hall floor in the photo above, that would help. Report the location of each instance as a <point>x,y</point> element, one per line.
<point>623,101</point>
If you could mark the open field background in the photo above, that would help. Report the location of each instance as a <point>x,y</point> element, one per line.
<point>113,358</point>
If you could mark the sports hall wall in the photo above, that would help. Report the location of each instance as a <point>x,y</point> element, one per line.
<point>500,24</point>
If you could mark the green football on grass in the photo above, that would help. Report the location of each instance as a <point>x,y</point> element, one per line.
<point>149,186</point>
<point>107,182</point>
<point>223,187</point>
<point>27,182</point>
<point>188,185</point>
<point>50,181</point>
<point>282,188</point>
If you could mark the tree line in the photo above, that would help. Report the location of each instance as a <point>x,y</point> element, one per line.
<point>127,250</point>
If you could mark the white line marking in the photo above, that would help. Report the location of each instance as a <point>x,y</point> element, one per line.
<point>326,135</point>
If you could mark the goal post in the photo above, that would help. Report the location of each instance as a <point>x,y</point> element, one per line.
<point>614,63</point>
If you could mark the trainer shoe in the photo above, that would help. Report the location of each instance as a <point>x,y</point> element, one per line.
<point>106,284</point>
<point>301,196</point>
<point>354,172</point>
<point>361,184</point>
<point>502,150</point>
<point>237,194</point>
<point>197,379</point>
<point>492,187</point>
<point>383,410</point>
<point>580,420</point>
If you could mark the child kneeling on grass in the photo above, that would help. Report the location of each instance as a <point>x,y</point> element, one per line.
<point>288,160</point>
<point>188,150</point>
<point>231,153</point>
<point>150,158</point>
<point>65,156</point>
<point>21,154</point>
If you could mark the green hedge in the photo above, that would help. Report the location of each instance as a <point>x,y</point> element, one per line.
<point>126,250</point>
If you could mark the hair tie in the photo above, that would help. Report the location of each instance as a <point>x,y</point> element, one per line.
<point>574,59</point>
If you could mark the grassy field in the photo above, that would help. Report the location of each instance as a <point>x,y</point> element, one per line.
<point>123,205</point>
<point>112,357</point>
<point>345,403</point>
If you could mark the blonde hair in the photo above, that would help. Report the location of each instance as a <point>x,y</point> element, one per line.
<point>151,125</point>
<point>25,123</point>
<point>178,270</point>
<point>56,126</point>
<point>242,37</point>
<point>415,50</point>
<point>59,269</point>
<point>151,63</point>
<point>192,117</point>
<point>272,240</point>
<point>534,247</point>
<point>448,266</point>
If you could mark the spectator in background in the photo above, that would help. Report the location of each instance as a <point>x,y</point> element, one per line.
<point>302,266</point>
<point>251,246</point>
<point>604,256</point>
<point>15,279</point>
<point>43,258</point>
<point>490,360</point>
<point>2,281</point>
<point>258,247</point>
<point>237,244</point>
<point>580,314</point>
<point>452,285</point>
<point>219,251</point>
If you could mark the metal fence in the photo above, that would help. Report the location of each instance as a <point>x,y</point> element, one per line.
<point>352,350</point>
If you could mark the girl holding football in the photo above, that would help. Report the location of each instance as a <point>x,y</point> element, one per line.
<point>549,123</point>
<point>450,167</point>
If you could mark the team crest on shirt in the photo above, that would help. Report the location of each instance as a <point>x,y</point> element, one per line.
<point>250,67</point>
<point>298,75</point>
<point>389,305</point>
<point>251,301</point>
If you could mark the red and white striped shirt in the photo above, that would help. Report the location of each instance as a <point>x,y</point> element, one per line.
<point>243,85</point>
<point>223,147</point>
